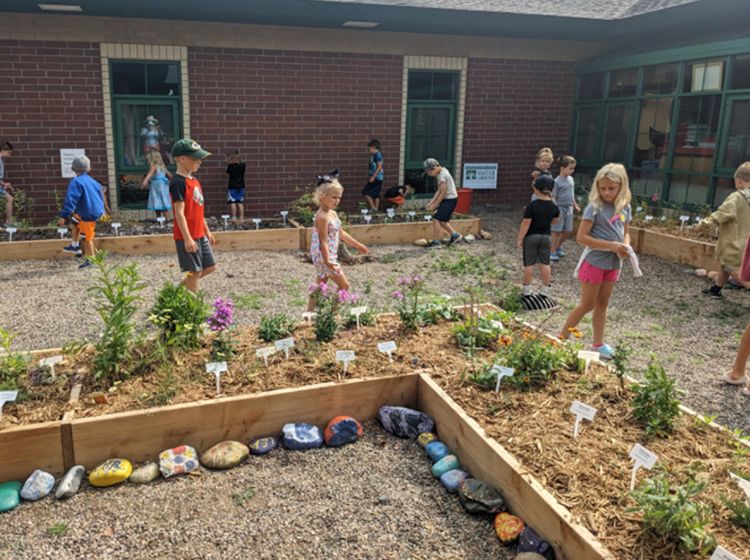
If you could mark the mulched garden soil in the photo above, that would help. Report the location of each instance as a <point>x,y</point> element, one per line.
<point>375,499</point>
<point>690,231</point>
<point>401,217</point>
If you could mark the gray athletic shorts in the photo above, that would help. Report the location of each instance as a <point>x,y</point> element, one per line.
<point>195,262</point>
<point>536,248</point>
<point>565,220</point>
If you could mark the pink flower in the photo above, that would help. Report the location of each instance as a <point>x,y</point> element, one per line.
<point>397,295</point>
<point>343,296</point>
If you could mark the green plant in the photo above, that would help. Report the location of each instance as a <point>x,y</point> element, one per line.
<point>476,332</point>
<point>655,402</point>
<point>673,513</point>
<point>701,422</point>
<point>13,366</point>
<point>366,319</point>
<point>407,296</point>
<point>326,299</point>
<point>180,316</point>
<point>220,322</point>
<point>534,360</point>
<point>248,302</point>
<point>509,298</point>
<point>274,327</point>
<point>22,207</point>
<point>58,529</point>
<point>620,361</point>
<point>241,497</point>
<point>465,264</point>
<point>115,295</point>
<point>740,512</point>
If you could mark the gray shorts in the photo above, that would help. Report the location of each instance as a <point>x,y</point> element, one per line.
<point>195,262</point>
<point>565,220</point>
<point>536,248</point>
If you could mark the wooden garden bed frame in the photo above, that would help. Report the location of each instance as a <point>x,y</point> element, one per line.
<point>698,254</point>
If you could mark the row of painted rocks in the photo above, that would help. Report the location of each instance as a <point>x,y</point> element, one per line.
<point>476,496</point>
<point>178,461</point>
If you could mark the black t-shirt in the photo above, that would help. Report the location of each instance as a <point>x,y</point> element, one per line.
<point>393,192</point>
<point>541,212</point>
<point>236,173</point>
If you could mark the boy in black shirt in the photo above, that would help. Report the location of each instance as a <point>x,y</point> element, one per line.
<point>534,235</point>
<point>236,186</point>
<point>396,196</point>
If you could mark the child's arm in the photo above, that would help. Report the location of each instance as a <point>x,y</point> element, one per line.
<point>439,196</point>
<point>353,243</point>
<point>72,196</point>
<point>148,176</point>
<point>178,206</point>
<point>522,231</point>
<point>104,199</point>
<point>211,238</point>
<point>726,212</point>
<point>584,238</point>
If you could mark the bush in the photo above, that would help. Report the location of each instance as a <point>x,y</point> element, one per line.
<point>740,513</point>
<point>13,366</point>
<point>274,327</point>
<point>180,315</point>
<point>655,402</point>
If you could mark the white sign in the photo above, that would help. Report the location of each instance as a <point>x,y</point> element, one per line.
<point>497,325</point>
<point>217,368</point>
<point>67,155</point>
<point>256,221</point>
<point>368,218</point>
<point>582,411</point>
<point>285,344</point>
<point>161,220</point>
<point>116,227</point>
<point>387,348</point>
<point>642,457</point>
<point>742,483</point>
<point>11,231</point>
<point>309,316</point>
<point>649,218</point>
<point>588,356</point>
<point>345,356</point>
<point>391,212</point>
<point>412,214</point>
<point>723,554</point>
<point>62,231</point>
<point>480,175</point>
<point>364,211</point>
<point>50,363</point>
<point>500,372</point>
<point>284,214</point>
<point>357,311</point>
<point>639,209</point>
<point>428,218</point>
<point>683,219</point>
<point>265,353</point>
<point>7,396</point>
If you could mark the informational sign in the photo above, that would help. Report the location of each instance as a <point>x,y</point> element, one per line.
<point>582,412</point>
<point>722,553</point>
<point>388,347</point>
<point>285,344</point>
<point>500,372</point>
<point>480,176</point>
<point>67,155</point>
<point>642,457</point>
<point>7,396</point>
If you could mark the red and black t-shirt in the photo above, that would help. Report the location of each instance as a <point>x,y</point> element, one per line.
<point>188,190</point>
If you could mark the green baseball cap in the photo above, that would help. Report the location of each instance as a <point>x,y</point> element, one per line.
<point>188,147</point>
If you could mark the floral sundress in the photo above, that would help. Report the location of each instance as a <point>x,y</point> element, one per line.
<point>334,230</point>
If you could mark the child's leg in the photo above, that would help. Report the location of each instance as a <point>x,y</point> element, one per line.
<point>437,232</point>
<point>545,272</point>
<point>446,226</point>
<point>743,353</point>
<point>191,281</point>
<point>528,275</point>
<point>241,210</point>
<point>370,202</point>
<point>735,274</point>
<point>599,318</point>
<point>722,277</point>
<point>206,271</point>
<point>75,234</point>
<point>88,248</point>
<point>556,240</point>
<point>589,293</point>
<point>233,210</point>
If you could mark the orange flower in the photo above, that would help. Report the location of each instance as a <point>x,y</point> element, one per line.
<point>505,340</point>
<point>575,332</point>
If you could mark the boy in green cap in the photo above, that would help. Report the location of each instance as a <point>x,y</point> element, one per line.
<point>192,236</point>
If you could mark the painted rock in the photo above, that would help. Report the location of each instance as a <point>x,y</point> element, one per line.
<point>712,274</point>
<point>342,430</point>
<point>436,451</point>
<point>70,483</point>
<point>530,556</point>
<point>37,486</point>
<point>508,527</point>
<point>9,495</point>
<point>110,472</point>
<point>178,460</point>
<point>262,445</point>
<point>701,272</point>
<point>447,463</point>
<point>421,242</point>
<point>453,479</point>
<point>425,438</point>
<point>145,473</point>
<point>479,497</point>
<point>225,455</point>
<point>301,435</point>
<point>405,422</point>
<point>529,541</point>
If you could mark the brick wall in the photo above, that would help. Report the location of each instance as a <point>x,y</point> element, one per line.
<point>292,115</point>
<point>513,108</point>
<point>51,99</point>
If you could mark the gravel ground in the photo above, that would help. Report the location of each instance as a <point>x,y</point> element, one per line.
<point>373,499</point>
<point>664,312</point>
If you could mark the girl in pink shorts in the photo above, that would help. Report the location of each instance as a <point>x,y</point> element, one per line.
<point>604,233</point>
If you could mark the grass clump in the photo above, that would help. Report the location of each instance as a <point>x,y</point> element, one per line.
<point>276,326</point>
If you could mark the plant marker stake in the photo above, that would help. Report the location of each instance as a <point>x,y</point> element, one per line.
<point>161,220</point>
<point>663,219</point>
<point>357,311</point>
<point>428,218</point>
<point>217,368</point>
<point>11,231</point>
<point>284,214</point>
<point>648,218</point>
<point>391,212</point>
<point>116,226</point>
<point>256,221</point>
<point>62,231</point>
<point>364,211</point>
<point>722,553</point>
<point>588,356</point>
<point>368,218</point>
<point>683,220</point>
<point>50,362</point>
<point>285,344</point>
<point>742,483</point>
<point>497,325</point>
<point>7,396</point>
<point>412,214</point>
<point>309,316</point>
<point>345,356</point>
<point>697,219</point>
<point>226,217</point>
<point>643,458</point>
<point>639,209</point>
<point>387,348</point>
<point>501,371</point>
<point>582,411</point>
<point>265,353</point>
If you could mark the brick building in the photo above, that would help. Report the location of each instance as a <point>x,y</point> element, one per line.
<point>300,86</point>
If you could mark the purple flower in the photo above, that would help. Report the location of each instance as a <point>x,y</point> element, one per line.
<point>354,298</point>
<point>222,317</point>
<point>343,296</point>
<point>398,294</point>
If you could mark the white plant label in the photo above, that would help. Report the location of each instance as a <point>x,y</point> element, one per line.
<point>225,217</point>
<point>309,316</point>
<point>116,226</point>
<point>265,353</point>
<point>500,372</point>
<point>412,214</point>
<point>697,219</point>
<point>161,220</point>
<point>497,325</point>
<point>284,214</point>
<point>639,209</point>
<point>663,219</point>
<point>391,212</point>
<point>588,356</point>
<point>722,553</point>
<point>217,368</point>
<point>368,218</point>
<point>365,211</point>
<point>582,412</point>
<point>285,344</point>
<point>11,231</point>
<point>50,362</point>
<point>62,231</point>
<point>7,396</point>
<point>742,483</point>
<point>387,348</point>
<point>642,457</point>
<point>345,356</point>
<point>428,218</point>
<point>256,221</point>
<point>649,218</point>
<point>683,219</point>
<point>357,311</point>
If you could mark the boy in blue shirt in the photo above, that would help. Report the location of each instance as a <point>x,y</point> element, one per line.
<point>375,180</point>
<point>83,206</point>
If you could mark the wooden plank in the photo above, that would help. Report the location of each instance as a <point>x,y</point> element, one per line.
<point>23,449</point>
<point>142,435</point>
<point>698,254</point>
<point>66,440</point>
<point>488,460</point>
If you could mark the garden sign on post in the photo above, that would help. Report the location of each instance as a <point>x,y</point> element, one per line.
<point>7,396</point>
<point>642,457</point>
<point>581,411</point>
<point>387,348</point>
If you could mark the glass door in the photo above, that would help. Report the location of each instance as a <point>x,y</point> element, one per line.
<point>735,136</point>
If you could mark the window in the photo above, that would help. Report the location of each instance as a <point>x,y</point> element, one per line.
<point>586,130</point>
<point>623,83</point>
<point>145,78</point>
<point>689,189</point>
<point>724,187</point>
<point>737,131</point>
<point>697,125</point>
<point>433,86</point>
<point>652,138</point>
<point>617,132</point>
<point>741,72</point>
<point>704,75</point>
<point>659,79</point>
<point>591,86</point>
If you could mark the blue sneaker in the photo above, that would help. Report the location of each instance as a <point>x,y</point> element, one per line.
<point>554,257</point>
<point>605,351</point>
<point>75,249</point>
<point>85,264</point>
<point>560,252</point>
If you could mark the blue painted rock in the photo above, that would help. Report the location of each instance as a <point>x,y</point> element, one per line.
<point>426,438</point>
<point>342,430</point>
<point>70,483</point>
<point>145,473</point>
<point>225,455</point>
<point>436,451</point>
<point>301,436</point>
<point>262,445</point>
<point>453,479</point>
<point>479,497</point>
<point>529,541</point>
<point>447,463</point>
<point>9,495</point>
<point>179,460</point>
<point>110,472</point>
<point>405,422</point>
<point>37,486</point>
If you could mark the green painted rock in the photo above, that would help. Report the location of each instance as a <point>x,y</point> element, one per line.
<point>110,472</point>
<point>447,463</point>
<point>145,474</point>
<point>425,438</point>
<point>10,495</point>
<point>225,455</point>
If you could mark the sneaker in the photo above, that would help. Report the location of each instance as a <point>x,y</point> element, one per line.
<point>434,243</point>
<point>75,249</point>
<point>554,257</point>
<point>454,237</point>
<point>527,290</point>
<point>605,351</point>
<point>714,291</point>
<point>85,264</point>
<point>560,252</point>
<point>545,291</point>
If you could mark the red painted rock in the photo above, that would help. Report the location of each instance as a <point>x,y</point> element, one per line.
<point>342,430</point>
<point>508,527</point>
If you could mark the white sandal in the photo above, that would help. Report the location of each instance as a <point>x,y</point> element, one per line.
<point>732,381</point>
<point>745,391</point>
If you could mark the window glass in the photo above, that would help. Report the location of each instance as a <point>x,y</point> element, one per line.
<point>163,78</point>
<point>741,72</point>
<point>616,134</point>
<point>689,189</point>
<point>647,182</point>
<point>429,86</point>
<point>591,86</point>
<point>724,187</point>
<point>623,83</point>
<point>660,78</point>
<point>586,130</point>
<point>738,134</point>
<point>704,75</point>
<point>697,124</point>
<point>128,78</point>
<point>652,139</point>
<point>146,128</point>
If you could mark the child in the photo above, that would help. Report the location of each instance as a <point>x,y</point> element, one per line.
<point>564,196</point>
<point>375,180</point>
<point>733,219</point>
<point>543,162</point>
<point>158,187</point>
<point>604,233</point>
<point>83,206</point>
<point>534,235</point>
<point>6,149</point>
<point>445,200</point>
<point>193,239</point>
<point>396,196</point>
<point>324,247</point>
<point>236,186</point>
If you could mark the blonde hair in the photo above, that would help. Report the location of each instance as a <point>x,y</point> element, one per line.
<point>324,188</point>
<point>614,172</point>
<point>743,172</point>
<point>154,158</point>
<point>545,152</point>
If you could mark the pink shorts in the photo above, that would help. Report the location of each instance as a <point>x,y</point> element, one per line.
<point>591,274</point>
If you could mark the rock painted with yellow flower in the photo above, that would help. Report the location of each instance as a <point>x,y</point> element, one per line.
<point>110,472</point>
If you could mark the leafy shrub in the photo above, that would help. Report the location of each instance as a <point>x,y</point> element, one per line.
<point>673,513</point>
<point>509,298</point>
<point>620,361</point>
<point>740,513</point>
<point>326,299</point>
<point>655,402</point>
<point>274,327</point>
<point>476,332</point>
<point>180,316</point>
<point>13,366</point>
